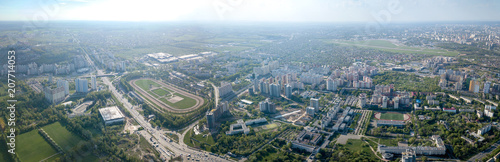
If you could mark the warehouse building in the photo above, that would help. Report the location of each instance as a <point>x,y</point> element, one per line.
<point>111,115</point>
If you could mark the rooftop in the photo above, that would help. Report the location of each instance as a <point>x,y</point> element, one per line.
<point>111,113</point>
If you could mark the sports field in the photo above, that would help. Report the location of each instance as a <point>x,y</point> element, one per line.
<point>271,126</point>
<point>392,116</point>
<point>31,146</point>
<point>62,136</point>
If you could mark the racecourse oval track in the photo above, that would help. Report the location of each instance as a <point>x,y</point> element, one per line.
<point>161,104</point>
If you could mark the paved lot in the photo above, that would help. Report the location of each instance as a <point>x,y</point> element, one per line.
<point>343,138</point>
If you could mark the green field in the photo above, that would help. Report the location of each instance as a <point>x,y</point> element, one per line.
<point>357,145</point>
<point>385,45</point>
<point>32,147</point>
<point>271,126</point>
<point>392,116</point>
<point>183,104</point>
<point>197,139</point>
<point>160,92</point>
<point>62,136</point>
<point>4,155</point>
<point>145,84</point>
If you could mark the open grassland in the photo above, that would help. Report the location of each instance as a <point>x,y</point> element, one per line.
<point>385,45</point>
<point>31,147</point>
<point>183,104</point>
<point>146,84</point>
<point>160,92</point>
<point>62,136</point>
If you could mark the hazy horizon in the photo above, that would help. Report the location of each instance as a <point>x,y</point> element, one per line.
<point>343,11</point>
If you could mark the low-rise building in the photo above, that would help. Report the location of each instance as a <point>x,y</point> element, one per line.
<point>111,115</point>
<point>239,127</point>
<point>484,129</point>
<point>488,113</point>
<point>440,148</point>
<point>450,110</point>
<point>467,110</point>
<point>306,141</point>
<point>396,123</point>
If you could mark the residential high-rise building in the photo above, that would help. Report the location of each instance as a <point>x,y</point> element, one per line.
<point>288,91</point>
<point>267,106</point>
<point>262,87</point>
<point>255,85</point>
<point>93,82</point>
<point>65,84</point>
<point>274,90</point>
<point>210,120</point>
<point>224,89</point>
<point>54,96</point>
<point>486,88</point>
<point>384,101</point>
<point>330,85</point>
<point>474,86</point>
<point>214,114</point>
<point>362,100</point>
<point>81,85</point>
<point>396,102</point>
<point>310,111</point>
<point>314,103</point>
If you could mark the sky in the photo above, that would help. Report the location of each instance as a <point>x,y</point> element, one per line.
<point>382,11</point>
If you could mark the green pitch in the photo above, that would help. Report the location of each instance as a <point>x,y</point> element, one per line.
<point>392,116</point>
<point>62,136</point>
<point>32,147</point>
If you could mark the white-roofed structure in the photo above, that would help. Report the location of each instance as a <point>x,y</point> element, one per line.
<point>111,115</point>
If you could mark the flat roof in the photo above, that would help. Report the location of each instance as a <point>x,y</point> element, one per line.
<point>111,113</point>
<point>246,101</point>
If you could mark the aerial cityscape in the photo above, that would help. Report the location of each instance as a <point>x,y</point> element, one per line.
<point>236,80</point>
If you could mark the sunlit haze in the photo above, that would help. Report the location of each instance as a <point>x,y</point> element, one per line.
<point>252,10</point>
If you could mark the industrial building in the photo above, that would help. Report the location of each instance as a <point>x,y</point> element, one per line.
<point>111,115</point>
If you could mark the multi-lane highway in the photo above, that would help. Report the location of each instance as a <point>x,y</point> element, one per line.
<point>162,144</point>
<point>158,136</point>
